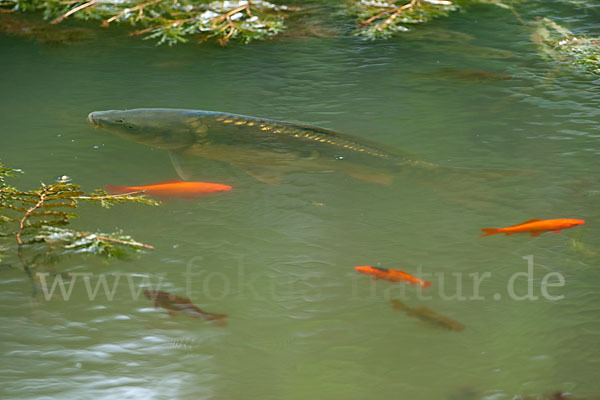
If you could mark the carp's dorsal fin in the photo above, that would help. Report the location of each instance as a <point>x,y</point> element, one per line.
<point>271,176</point>
<point>336,134</point>
<point>181,165</point>
<point>528,221</point>
<point>313,128</point>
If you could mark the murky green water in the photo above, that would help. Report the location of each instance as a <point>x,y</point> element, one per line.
<point>279,259</point>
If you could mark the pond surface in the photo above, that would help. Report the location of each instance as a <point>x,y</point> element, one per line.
<point>279,259</point>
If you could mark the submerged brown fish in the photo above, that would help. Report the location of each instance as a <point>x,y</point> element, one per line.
<point>467,75</point>
<point>177,304</point>
<point>428,316</point>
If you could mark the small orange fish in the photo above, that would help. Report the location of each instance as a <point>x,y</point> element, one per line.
<point>175,304</point>
<point>535,227</point>
<point>392,275</point>
<point>172,188</point>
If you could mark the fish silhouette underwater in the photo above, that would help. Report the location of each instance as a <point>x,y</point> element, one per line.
<point>265,149</point>
<point>176,304</point>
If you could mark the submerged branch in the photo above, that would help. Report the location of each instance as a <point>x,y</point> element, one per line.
<point>73,11</point>
<point>395,10</point>
<point>36,216</point>
<point>110,239</point>
<point>559,43</point>
<point>28,214</point>
<point>382,19</point>
<point>172,21</point>
<point>139,8</point>
<point>110,196</point>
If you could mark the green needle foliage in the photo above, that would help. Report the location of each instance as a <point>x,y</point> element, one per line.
<point>559,43</point>
<point>38,219</point>
<point>174,21</point>
<point>382,19</point>
<point>170,21</point>
<point>115,244</point>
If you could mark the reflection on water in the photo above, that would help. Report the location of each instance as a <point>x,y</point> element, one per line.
<point>278,259</point>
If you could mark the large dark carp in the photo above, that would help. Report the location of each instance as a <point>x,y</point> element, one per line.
<point>264,148</point>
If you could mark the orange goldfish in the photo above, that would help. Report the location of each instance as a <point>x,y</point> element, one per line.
<point>176,304</point>
<point>392,275</point>
<point>535,227</point>
<point>172,188</point>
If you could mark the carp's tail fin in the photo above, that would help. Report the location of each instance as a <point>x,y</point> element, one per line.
<point>427,168</point>
<point>490,231</point>
<point>426,284</point>
<point>491,174</point>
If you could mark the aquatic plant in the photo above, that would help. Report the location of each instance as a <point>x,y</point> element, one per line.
<point>173,21</point>
<point>170,21</point>
<point>11,24</point>
<point>37,219</point>
<point>381,19</point>
<point>560,44</point>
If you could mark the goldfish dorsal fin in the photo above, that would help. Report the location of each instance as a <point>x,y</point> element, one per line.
<point>529,221</point>
<point>380,269</point>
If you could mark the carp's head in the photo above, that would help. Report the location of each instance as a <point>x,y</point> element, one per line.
<point>162,128</point>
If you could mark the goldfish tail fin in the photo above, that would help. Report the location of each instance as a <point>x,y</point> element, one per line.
<point>490,231</point>
<point>112,189</point>
<point>219,322</point>
<point>426,284</point>
<point>218,319</point>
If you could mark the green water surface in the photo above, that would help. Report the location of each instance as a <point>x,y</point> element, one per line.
<point>278,259</point>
